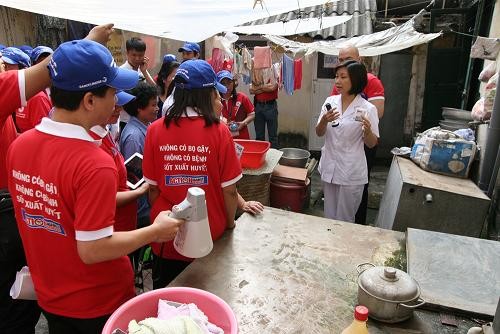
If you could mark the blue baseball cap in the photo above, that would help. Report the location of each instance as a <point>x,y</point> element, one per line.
<point>190,47</point>
<point>169,58</point>
<point>122,98</point>
<point>15,56</point>
<point>224,75</point>
<point>38,51</point>
<point>84,65</point>
<point>26,49</point>
<point>197,73</point>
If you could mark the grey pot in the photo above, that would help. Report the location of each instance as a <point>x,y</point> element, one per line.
<point>294,157</point>
<point>389,293</point>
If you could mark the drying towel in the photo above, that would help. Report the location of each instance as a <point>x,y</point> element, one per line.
<point>217,59</point>
<point>178,325</point>
<point>262,57</point>
<point>297,74</point>
<point>485,48</point>
<point>288,76</point>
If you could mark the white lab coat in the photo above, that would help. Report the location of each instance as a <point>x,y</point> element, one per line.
<point>343,159</point>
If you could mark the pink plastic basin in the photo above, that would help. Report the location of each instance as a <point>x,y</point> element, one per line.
<point>146,305</point>
<point>254,152</point>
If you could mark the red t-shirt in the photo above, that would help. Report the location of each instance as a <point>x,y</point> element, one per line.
<point>264,97</point>
<point>237,112</point>
<point>64,190</point>
<point>126,215</point>
<point>174,162</point>
<point>374,89</point>
<point>11,97</point>
<point>37,108</point>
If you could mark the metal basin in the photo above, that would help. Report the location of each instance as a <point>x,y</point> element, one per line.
<point>294,157</point>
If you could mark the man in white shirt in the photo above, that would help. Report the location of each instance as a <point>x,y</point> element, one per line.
<point>137,61</point>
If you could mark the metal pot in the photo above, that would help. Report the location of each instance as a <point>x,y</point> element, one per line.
<point>389,293</point>
<point>294,157</point>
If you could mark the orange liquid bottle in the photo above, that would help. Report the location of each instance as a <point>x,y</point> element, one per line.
<point>358,325</point>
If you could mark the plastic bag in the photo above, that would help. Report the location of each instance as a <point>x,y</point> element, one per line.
<point>488,72</point>
<point>478,113</point>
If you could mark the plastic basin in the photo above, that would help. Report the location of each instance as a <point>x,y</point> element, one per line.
<point>146,305</point>
<point>254,152</point>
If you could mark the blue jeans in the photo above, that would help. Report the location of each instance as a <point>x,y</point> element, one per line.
<point>266,114</point>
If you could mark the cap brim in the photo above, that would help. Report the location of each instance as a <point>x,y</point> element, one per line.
<point>124,79</point>
<point>9,60</point>
<point>221,88</point>
<point>122,98</point>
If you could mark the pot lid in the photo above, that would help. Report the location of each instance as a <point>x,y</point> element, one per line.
<point>389,284</point>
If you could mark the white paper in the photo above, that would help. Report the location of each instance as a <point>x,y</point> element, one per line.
<point>23,286</point>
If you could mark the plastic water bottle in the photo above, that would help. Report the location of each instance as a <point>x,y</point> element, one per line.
<point>358,325</point>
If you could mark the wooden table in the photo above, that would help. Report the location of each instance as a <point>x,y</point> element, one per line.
<point>284,272</point>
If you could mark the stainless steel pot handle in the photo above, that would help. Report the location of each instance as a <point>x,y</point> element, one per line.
<point>358,268</point>
<point>420,300</point>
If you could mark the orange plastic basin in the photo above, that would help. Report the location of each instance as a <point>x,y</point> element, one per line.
<point>254,152</point>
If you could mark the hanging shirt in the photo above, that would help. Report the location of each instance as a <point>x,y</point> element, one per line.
<point>288,74</point>
<point>262,57</point>
<point>297,73</point>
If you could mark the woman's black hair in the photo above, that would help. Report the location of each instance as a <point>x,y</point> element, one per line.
<point>201,100</point>
<point>357,75</point>
<point>143,93</point>
<point>165,70</point>
<point>70,100</point>
<point>234,93</point>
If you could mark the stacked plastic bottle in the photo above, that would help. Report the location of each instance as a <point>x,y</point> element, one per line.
<point>358,325</point>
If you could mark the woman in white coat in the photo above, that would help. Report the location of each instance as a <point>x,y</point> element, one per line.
<point>350,123</point>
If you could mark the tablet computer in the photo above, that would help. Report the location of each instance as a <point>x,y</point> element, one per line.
<point>134,171</point>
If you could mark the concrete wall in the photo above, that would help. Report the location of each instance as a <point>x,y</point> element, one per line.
<point>17,27</point>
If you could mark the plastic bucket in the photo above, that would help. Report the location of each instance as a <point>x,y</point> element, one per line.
<point>146,305</point>
<point>288,195</point>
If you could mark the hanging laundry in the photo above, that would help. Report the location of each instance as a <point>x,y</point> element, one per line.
<point>247,62</point>
<point>238,64</point>
<point>262,57</point>
<point>297,74</point>
<point>288,76</point>
<point>485,48</point>
<point>277,72</point>
<point>217,59</point>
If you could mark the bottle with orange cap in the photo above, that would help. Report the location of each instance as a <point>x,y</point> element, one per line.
<point>358,325</point>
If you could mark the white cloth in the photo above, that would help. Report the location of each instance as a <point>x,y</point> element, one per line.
<point>343,158</point>
<point>342,202</point>
<point>178,325</point>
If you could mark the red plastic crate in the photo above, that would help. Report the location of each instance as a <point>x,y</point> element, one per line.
<point>254,152</point>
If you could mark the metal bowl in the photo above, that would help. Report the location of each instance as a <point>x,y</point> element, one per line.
<point>294,157</point>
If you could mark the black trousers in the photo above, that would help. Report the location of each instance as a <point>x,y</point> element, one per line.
<point>16,316</point>
<point>166,270</point>
<point>63,325</point>
<point>360,218</point>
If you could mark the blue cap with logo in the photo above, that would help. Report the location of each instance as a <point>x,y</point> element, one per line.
<point>122,98</point>
<point>224,75</point>
<point>197,73</point>
<point>15,56</point>
<point>169,58</point>
<point>84,65</point>
<point>190,47</point>
<point>38,51</point>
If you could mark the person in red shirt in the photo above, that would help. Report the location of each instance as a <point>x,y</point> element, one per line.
<point>189,147</point>
<point>126,199</point>
<point>236,107</point>
<point>373,93</point>
<point>64,189</point>
<point>20,316</point>
<point>266,111</point>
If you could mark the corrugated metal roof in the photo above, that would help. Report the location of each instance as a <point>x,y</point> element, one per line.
<point>360,24</point>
